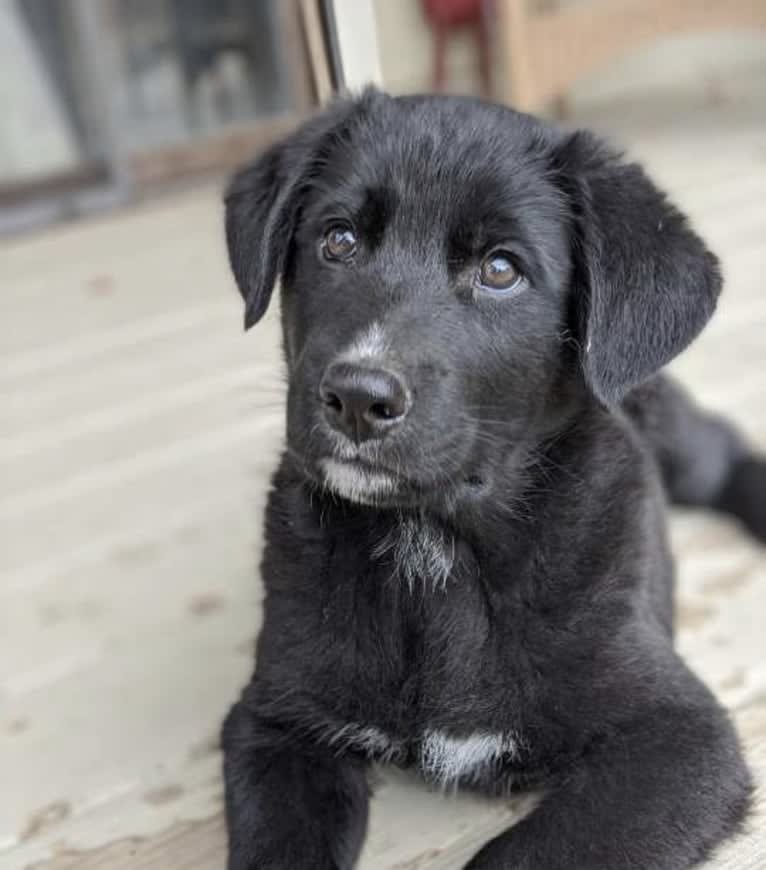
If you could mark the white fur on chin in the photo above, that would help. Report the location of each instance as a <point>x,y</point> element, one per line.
<point>356,484</point>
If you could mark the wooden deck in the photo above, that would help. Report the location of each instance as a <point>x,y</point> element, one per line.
<point>139,427</point>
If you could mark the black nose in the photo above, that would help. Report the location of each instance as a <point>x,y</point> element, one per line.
<point>362,402</point>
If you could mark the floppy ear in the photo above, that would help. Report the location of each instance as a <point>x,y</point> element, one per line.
<point>645,282</point>
<point>263,202</point>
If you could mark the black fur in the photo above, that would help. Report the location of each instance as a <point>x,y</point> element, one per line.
<point>514,579</point>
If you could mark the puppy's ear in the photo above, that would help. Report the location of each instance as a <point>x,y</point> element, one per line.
<point>263,202</point>
<point>644,281</point>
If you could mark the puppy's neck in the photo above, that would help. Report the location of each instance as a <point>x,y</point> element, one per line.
<point>419,548</point>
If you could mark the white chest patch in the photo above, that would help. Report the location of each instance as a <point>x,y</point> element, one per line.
<point>370,741</point>
<point>420,550</point>
<point>445,760</point>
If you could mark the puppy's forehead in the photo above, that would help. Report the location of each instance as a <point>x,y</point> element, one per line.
<point>442,158</point>
<point>448,179</point>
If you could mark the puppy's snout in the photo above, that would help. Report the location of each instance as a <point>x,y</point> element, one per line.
<point>361,402</point>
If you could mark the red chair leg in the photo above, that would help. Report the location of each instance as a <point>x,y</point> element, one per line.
<point>485,55</point>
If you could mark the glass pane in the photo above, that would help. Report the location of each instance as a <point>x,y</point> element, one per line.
<point>44,117</point>
<point>191,67</point>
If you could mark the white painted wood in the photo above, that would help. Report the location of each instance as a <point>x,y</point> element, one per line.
<point>356,30</point>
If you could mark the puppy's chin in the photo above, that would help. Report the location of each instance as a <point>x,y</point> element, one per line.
<point>366,485</point>
<point>358,483</point>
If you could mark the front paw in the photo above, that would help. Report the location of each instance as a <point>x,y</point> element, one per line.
<point>502,856</point>
<point>283,857</point>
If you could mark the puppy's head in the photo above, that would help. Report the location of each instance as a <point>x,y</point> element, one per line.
<point>454,274</point>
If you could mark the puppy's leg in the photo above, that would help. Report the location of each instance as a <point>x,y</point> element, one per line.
<point>658,794</point>
<point>704,461</point>
<point>289,807</point>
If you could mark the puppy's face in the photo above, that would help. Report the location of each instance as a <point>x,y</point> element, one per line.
<point>441,262</point>
<point>424,306</point>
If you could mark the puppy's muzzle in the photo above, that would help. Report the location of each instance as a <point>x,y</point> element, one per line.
<point>363,403</point>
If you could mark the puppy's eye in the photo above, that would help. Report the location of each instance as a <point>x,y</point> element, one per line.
<point>498,273</point>
<point>339,243</point>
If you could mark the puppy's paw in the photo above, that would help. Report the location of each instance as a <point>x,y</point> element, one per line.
<point>744,495</point>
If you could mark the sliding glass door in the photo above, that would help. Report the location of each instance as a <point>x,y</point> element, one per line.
<point>102,97</point>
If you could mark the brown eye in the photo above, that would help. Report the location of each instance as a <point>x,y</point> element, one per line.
<point>499,273</point>
<point>339,243</point>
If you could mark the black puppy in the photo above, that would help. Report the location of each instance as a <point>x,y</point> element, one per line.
<point>466,565</point>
